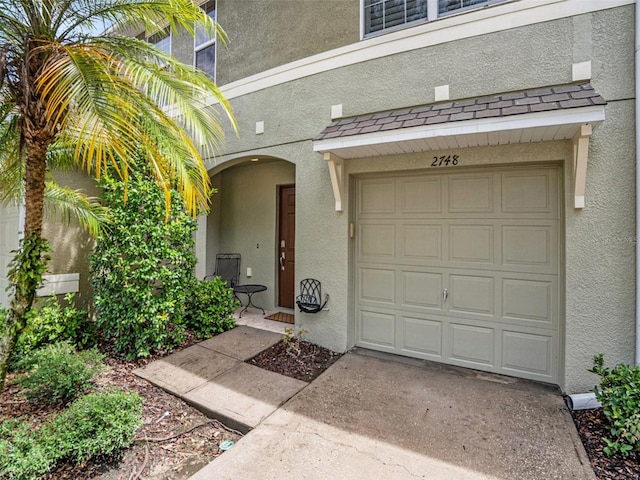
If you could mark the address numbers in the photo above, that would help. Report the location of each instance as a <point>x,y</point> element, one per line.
<point>445,160</point>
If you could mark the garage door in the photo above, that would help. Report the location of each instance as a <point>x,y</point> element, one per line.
<point>463,268</point>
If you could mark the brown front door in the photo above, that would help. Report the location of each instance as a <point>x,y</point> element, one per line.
<point>286,246</point>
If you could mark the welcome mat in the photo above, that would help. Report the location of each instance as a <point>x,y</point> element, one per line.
<point>282,317</point>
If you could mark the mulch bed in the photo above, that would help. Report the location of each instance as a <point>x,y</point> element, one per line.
<point>303,360</point>
<point>591,426</point>
<point>174,442</point>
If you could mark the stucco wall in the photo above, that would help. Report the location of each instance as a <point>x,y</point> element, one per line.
<point>71,245</point>
<point>266,33</point>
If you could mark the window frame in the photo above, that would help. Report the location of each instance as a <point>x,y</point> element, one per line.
<point>212,42</point>
<point>432,15</point>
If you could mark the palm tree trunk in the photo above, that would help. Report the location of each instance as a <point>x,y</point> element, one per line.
<point>29,264</point>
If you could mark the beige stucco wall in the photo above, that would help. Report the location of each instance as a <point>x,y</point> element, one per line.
<point>71,245</point>
<point>270,33</point>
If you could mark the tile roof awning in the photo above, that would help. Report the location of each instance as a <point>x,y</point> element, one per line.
<point>554,113</point>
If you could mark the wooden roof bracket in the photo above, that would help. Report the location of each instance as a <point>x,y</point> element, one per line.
<point>336,172</point>
<point>580,156</point>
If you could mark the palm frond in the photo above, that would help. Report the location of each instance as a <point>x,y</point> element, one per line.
<point>66,204</point>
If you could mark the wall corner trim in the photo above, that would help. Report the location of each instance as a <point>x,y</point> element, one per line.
<point>59,284</point>
<point>580,157</point>
<point>336,172</point>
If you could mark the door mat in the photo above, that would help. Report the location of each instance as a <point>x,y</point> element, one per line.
<point>282,317</point>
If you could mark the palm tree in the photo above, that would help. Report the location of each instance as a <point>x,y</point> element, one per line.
<point>71,98</point>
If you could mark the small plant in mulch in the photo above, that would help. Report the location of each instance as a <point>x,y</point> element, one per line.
<point>295,358</point>
<point>619,394</point>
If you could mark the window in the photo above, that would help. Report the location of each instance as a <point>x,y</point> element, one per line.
<point>383,15</point>
<point>162,40</point>
<point>450,6</point>
<point>205,44</point>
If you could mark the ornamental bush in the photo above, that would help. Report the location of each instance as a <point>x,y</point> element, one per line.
<point>210,307</point>
<point>96,424</point>
<point>619,394</point>
<point>142,268</point>
<point>54,322</point>
<point>57,373</point>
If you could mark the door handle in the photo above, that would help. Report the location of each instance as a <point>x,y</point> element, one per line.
<point>281,260</point>
<point>445,294</point>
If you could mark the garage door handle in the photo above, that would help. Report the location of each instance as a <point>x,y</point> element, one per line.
<point>445,294</point>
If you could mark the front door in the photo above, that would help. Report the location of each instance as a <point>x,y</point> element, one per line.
<point>286,246</point>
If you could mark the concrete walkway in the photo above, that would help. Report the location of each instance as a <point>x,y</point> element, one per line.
<point>372,416</point>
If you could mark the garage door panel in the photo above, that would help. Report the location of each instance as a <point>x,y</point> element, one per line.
<point>529,192</point>
<point>471,194</point>
<point>422,195</point>
<point>471,243</point>
<point>377,329</point>
<point>471,294</point>
<point>421,337</point>
<point>420,242</point>
<point>472,344</point>
<point>421,289</point>
<point>533,245</point>
<point>531,302</point>
<point>377,241</point>
<point>378,285</point>
<point>527,353</point>
<point>377,197</point>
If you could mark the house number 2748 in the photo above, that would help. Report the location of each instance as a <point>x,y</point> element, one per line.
<point>445,160</point>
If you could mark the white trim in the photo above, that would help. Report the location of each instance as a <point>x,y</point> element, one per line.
<point>500,17</point>
<point>574,116</point>
<point>580,157</point>
<point>336,172</point>
<point>60,284</point>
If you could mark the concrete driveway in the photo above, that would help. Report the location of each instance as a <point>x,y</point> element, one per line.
<point>375,417</point>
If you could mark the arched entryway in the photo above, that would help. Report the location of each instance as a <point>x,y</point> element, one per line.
<point>253,214</point>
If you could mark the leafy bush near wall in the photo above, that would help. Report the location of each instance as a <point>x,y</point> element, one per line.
<point>619,393</point>
<point>210,307</point>
<point>96,424</point>
<point>54,322</point>
<point>57,373</point>
<point>142,269</point>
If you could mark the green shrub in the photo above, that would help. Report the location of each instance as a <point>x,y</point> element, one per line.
<point>22,455</point>
<point>619,393</point>
<point>94,425</point>
<point>57,373</point>
<point>97,424</point>
<point>52,322</point>
<point>142,269</point>
<point>210,307</point>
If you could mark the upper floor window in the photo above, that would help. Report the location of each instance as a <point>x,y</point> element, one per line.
<point>205,44</point>
<point>382,15</point>
<point>162,40</point>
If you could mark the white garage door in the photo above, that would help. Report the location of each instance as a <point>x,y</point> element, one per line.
<point>463,268</point>
<point>9,240</point>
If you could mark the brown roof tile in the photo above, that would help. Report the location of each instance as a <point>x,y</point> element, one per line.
<point>514,103</point>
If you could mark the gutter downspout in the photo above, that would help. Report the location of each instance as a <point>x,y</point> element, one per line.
<point>637,89</point>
